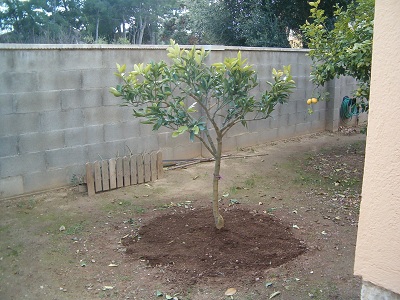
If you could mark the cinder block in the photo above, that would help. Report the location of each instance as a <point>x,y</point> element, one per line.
<point>274,122</point>
<point>121,131</point>
<point>62,80</point>
<point>97,78</point>
<point>149,143</point>
<point>283,120</point>
<point>286,132</point>
<point>102,115</point>
<point>19,82</point>
<point>41,141</point>
<point>78,98</point>
<point>37,101</point>
<point>8,146</point>
<point>247,139</point>
<point>11,186</point>
<point>21,164</point>
<point>45,180</point>
<point>132,146</point>
<point>228,144</point>
<point>105,150</point>
<point>110,100</point>
<point>14,124</point>
<point>303,128</point>
<point>6,104</point>
<point>75,137</point>
<point>60,158</point>
<point>94,134</point>
<point>40,60</point>
<point>79,59</point>
<point>190,150</point>
<point>7,62</point>
<point>268,135</point>
<point>84,135</point>
<point>58,120</point>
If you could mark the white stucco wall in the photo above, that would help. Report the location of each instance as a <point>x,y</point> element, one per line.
<point>378,241</point>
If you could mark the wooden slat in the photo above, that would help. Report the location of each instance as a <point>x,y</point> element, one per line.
<point>160,169</point>
<point>134,177</point>
<point>120,173</point>
<point>127,171</point>
<point>140,169</point>
<point>113,173</point>
<point>97,177</point>
<point>147,170</point>
<point>90,179</point>
<point>153,165</point>
<point>104,175</point>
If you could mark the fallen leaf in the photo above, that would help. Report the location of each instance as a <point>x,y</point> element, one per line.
<point>274,294</point>
<point>113,265</point>
<point>230,292</point>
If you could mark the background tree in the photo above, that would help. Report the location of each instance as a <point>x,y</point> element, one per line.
<point>173,95</point>
<point>344,50</point>
<point>235,22</point>
<point>252,22</point>
<point>40,21</point>
<point>175,25</point>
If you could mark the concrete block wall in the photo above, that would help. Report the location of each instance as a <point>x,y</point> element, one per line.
<point>56,113</point>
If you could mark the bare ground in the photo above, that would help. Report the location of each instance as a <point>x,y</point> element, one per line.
<point>291,211</point>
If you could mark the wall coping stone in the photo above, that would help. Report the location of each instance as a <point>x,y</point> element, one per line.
<point>9,46</point>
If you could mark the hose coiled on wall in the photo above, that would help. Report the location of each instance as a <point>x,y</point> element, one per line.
<point>349,108</point>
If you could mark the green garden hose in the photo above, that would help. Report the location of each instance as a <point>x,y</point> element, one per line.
<point>349,108</point>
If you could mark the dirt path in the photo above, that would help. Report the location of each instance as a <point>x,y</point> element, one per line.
<point>65,245</point>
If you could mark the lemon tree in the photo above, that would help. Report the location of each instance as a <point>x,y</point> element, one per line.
<point>205,101</point>
<point>345,49</point>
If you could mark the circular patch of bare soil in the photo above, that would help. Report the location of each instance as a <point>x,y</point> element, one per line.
<point>190,249</point>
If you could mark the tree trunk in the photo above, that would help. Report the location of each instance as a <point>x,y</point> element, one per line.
<point>142,27</point>
<point>219,220</point>
<point>97,28</point>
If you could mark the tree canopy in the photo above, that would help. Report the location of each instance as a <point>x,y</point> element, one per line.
<point>227,22</point>
<point>172,95</point>
<point>344,50</point>
<point>251,22</point>
<point>73,21</point>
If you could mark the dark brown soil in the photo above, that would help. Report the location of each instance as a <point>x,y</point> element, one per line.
<point>191,249</point>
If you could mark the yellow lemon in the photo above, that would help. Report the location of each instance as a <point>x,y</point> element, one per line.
<point>314,100</point>
<point>309,101</point>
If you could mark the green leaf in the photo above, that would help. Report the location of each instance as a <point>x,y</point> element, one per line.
<point>115,92</point>
<point>182,129</point>
<point>121,69</point>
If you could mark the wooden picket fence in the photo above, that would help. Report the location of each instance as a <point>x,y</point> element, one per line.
<point>123,171</point>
